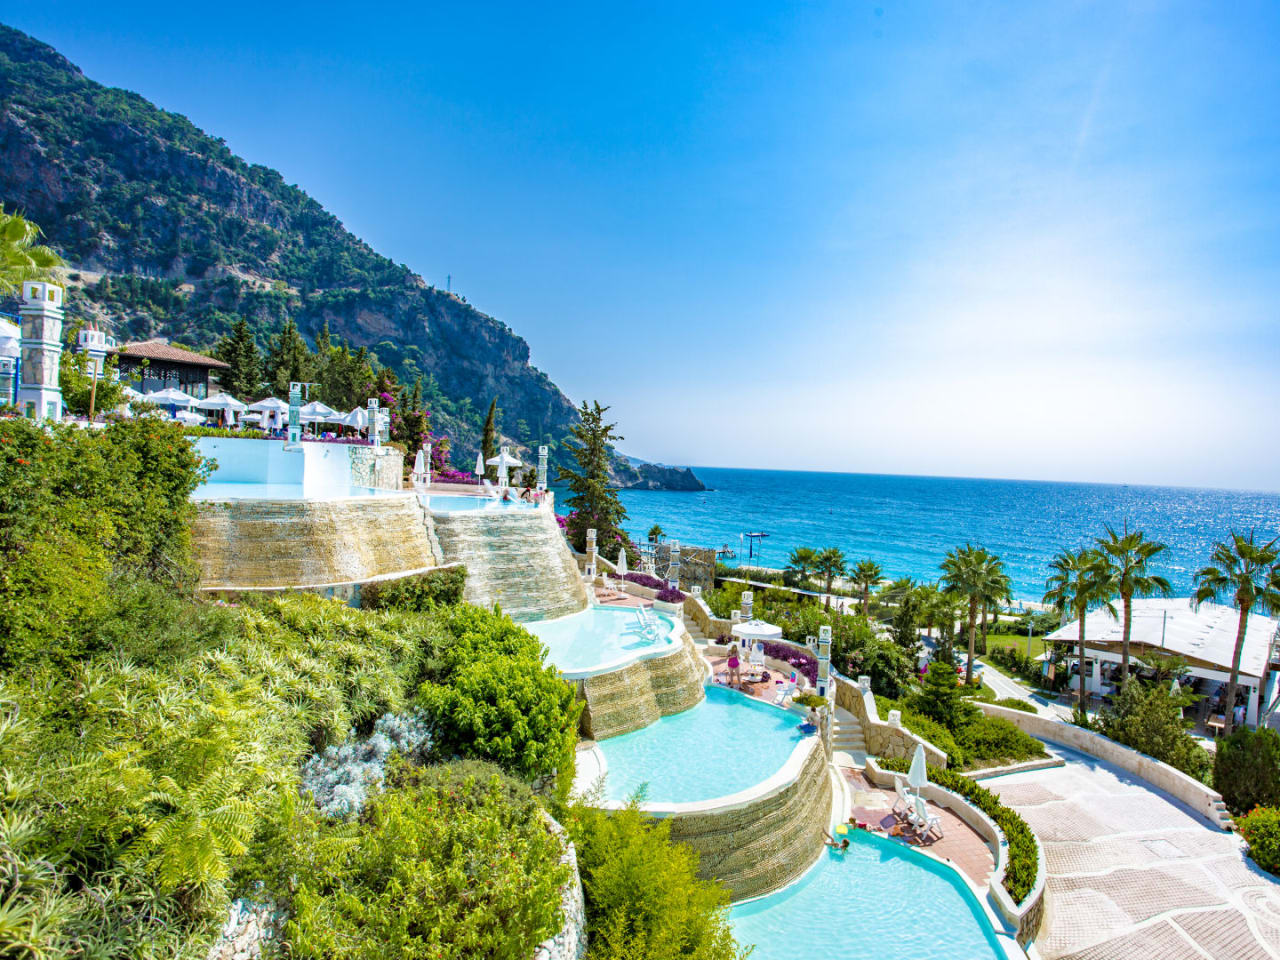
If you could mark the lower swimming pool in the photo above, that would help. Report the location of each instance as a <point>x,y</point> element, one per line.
<point>878,899</point>
<point>460,503</point>
<point>600,639</point>
<point>284,491</point>
<point>726,743</point>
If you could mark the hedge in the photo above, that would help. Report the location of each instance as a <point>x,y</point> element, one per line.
<point>1020,872</point>
<point>421,592</point>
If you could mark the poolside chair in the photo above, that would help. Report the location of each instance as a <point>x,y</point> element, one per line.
<point>904,800</point>
<point>785,692</point>
<point>926,822</point>
<point>490,489</point>
<point>757,658</point>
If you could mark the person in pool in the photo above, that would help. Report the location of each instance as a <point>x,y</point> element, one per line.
<point>810,724</point>
<point>735,675</point>
<point>839,846</point>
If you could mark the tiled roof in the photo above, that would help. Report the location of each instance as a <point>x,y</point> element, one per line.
<point>159,350</point>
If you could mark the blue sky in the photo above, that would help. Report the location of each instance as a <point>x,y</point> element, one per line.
<point>973,239</point>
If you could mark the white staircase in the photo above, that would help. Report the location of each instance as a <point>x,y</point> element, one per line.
<point>847,739</point>
<point>695,631</point>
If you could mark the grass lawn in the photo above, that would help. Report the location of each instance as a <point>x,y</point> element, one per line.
<point>1019,643</point>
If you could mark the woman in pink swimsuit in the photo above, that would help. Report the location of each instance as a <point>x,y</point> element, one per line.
<point>735,677</point>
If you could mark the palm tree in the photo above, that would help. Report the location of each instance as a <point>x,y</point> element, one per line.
<point>965,572</point>
<point>928,598</point>
<point>829,564</point>
<point>1128,554</point>
<point>1079,581</point>
<point>997,591</point>
<point>21,258</point>
<point>865,575</point>
<point>801,563</point>
<point>656,533</point>
<point>1245,572</point>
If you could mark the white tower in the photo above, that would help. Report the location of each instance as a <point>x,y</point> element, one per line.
<point>93,341</point>
<point>39,395</point>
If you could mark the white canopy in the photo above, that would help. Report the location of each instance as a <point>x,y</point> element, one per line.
<point>131,394</point>
<point>170,396</point>
<point>270,405</point>
<point>315,412</point>
<point>358,418</point>
<point>756,630</point>
<point>504,460</point>
<point>1204,635</point>
<point>220,401</point>
<point>188,416</point>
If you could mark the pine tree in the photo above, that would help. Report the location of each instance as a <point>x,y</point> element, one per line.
<point>240,350</point>
<point>289,361</point>
<point>489,439</point>
<point>940,698</point>
<point>593,501</point>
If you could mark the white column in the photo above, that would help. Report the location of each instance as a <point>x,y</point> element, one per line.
<point>1251,706</point>
<point>542,468</point>
<point>591,553</point>
<point>39,392</point>
<point>824,659</point>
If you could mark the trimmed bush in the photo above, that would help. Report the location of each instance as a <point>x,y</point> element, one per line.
<point>927,728</point>
<point>449,863</point>
<point>1020,873</point>
<point>1261,830</point>
<point>669,595</point>
<point>645,580</point>
<point>1016,703</point>
<point>993,741</point>
<point>420,592</point>
<point>1246,769</point>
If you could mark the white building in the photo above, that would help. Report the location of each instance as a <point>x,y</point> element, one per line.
<point>1205,637</point>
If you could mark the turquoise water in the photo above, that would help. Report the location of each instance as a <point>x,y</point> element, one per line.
<point>602,638</point>
<point>281,491</point>
<point>878,901</point>
<point>909,523</point>
<point>448,503</point>
<point>725,744</point>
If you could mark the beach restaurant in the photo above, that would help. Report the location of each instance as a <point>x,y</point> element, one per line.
<point>157,365</point>
<point>1204,636</point>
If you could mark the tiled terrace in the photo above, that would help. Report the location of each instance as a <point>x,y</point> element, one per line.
<point>958,844</point>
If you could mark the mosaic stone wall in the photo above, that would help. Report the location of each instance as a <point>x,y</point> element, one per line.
<point>303,543</point>
<point>882,738</point>
<point>640,693</point>
<point>767,843</point>
<point>571,942</point>
<point>380,467</point>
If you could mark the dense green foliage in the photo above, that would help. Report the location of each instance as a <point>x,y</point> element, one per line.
<point>420,592</point>
<point>81,389</point>
<point>1146,718</point>
<point>21,257</point>
<point>1022,868</point>
<point>1261,830</point>
<point>490,697</point>
<point>1015,703</point>
<point>643,896</point>
<point>1246,769</point>
<point>593,503</point>
<point>450,862</point>
<point>80,509</point>
<point>971,740</point>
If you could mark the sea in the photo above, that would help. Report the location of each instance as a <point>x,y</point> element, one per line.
<point>908,524</point>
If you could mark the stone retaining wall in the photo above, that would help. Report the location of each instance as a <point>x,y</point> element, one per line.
<point>1200,798</point>
<point>571,942</point>
<point>379,467</point>
<point>310,544</point>
<point>759,844</point>
<point>641,692</point>
<point>1024,918</point>
<point>883,739</point>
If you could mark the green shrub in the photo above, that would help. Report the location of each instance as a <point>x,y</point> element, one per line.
<point>1246,769</point>
<point>994,740</point>
<point>1016,703</point>
<point>420,592</point>
<point>1020,872</point>
<point>1150,721</point>
<point>1261,830</point>
<point>449,863</point>
<point>643,896</point>
<point>809,700</point>
<point>927,728</point>
<point>940,698</point>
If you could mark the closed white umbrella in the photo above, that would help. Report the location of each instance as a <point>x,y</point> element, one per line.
<point>419,464</point>
<point>479,466</point>
<point>622,562</point>
<point>918,775</point>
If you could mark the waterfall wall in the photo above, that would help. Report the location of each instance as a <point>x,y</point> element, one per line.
<point>515,558</point>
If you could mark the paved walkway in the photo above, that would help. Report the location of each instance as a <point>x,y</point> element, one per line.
<point>1006,686</point>
<point>1135,874</point>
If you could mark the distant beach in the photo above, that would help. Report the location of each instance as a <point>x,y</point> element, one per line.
<point>909,523</point>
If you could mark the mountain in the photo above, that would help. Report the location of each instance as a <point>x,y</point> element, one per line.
<point>168,233</point>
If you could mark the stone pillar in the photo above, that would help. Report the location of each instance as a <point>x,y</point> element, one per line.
<point>39,393</point>
<point>8,378</point>
<point>591,553</point>
<point>542,468</point>
<point>824,660</point>
<point>375,422</point>
<point>426,454</point>
<point>295,414</point>
<point>673,574</point>
<point>748,604</point>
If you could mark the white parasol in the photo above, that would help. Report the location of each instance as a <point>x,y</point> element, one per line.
<point>503,461</point>
<point>918,775</point>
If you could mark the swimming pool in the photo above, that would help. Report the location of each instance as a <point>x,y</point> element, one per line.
<point>285,491</point>
<point>600,639</point>
<point>461,503</point>
<point>725,744</point>
<point>878,899</point>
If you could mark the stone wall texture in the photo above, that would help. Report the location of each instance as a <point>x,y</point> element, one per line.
<point>640,693</point>
<point>305,543</point>
<point>380,467</point>
<point>766,843</point>
<point>882,738</point>
<point>571,942</point>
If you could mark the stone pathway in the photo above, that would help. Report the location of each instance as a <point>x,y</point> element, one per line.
<point>1135,874</point>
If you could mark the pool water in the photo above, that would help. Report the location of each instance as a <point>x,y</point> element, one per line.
<point>727,743</point>
<point>450,503</point>
<point>283,491</point>
<point>878,899</point>
<point>600,639</point>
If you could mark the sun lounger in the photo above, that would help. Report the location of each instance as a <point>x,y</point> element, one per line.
<point>902,805</point>
<point>925,821</point>
<point>785,691</point>
<point>490,489</point>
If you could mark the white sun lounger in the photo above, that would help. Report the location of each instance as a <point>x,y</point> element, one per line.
<point>784,691</point>
<point>925,821</point>
<point>904,799</point>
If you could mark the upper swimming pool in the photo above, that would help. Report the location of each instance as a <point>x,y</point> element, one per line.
<point>725,744</point>
<point>462,503</point>
<point>285,491</point>
<point>878,899</point>
<point>600,639</point>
